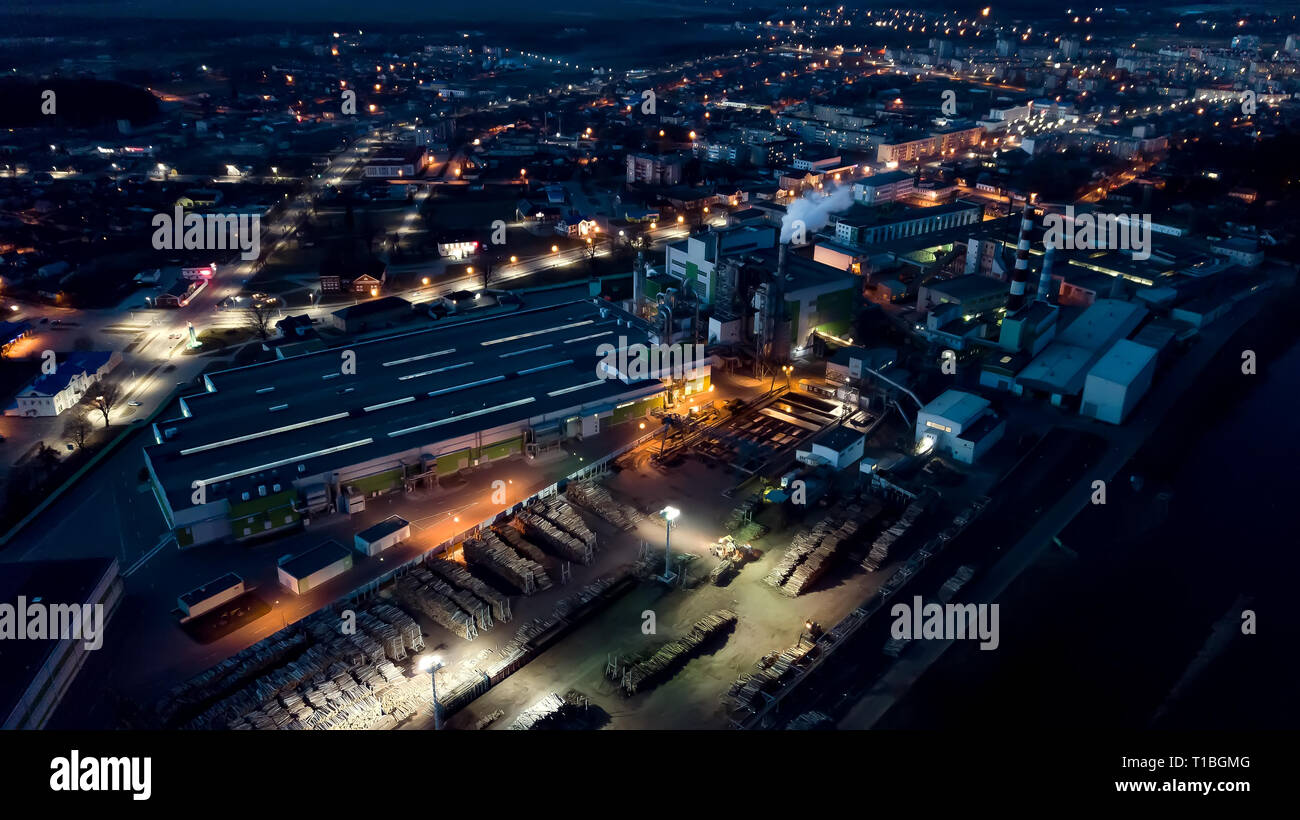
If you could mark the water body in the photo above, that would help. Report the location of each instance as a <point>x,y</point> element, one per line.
<point>1103,637</point>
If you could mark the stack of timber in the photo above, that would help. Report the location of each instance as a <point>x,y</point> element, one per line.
<point>503,562</point>
<point>880,548</point>
<point>809,721</point>
<point>808,571</point>
<point>556,539</point>
<point>560,513</point>
<point>800,547</point>
<point>723,572</point>
<point>672,655</point>
<point>419,597</point>
<point>773,670</point>
<point>743,514</point>
<point>541,714</point>
<point>233,672</point>
<point>596,498</point>
<point>512,538</point>
<point>405,624</point>
<point>959,579</point>
<point>385,634</point>
<point>456,575</point>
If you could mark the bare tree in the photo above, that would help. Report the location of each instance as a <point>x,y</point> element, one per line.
<point>488,261</point>
<point>105,396</point>
<point>78,427</point>
<point>257,318</point>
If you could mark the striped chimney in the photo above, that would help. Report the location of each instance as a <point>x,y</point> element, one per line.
<point>1045,278</point>
<point>1020,275</point>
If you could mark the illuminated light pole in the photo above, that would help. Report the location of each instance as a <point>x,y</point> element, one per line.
<point>670,515</point>
<point>431,664</point>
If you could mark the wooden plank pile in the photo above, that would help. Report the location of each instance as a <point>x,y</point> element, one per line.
<point>562,514</point>
<point>456,575</point>
<point>880,548</point>
<point>368,647</point>
<point>557,540</point>
<point>412,638</point>
<point>495,557</point>
<point>596,498</point>
<point>413,595</point>
<point>800,547</point>
<point>818,561</point>
<point>233,672</point>
<point>406,697</point>
<point>672,655</point>
<point>959,579</point>
<point>809,721</point>
<point>773,670</point>
<point>514,539</point>
<point>723,572</point>
<point>385,634</point>
<point>542,713</point>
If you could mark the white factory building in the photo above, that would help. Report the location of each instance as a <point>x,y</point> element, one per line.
<point>958,424</point>
<point>1117,381</point>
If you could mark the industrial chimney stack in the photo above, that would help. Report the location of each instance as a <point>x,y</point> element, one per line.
<point>1045,278</point>
<point>1020,275</point>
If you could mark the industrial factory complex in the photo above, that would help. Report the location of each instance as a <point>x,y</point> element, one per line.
<point>264,445</point>
<point>644,366</point>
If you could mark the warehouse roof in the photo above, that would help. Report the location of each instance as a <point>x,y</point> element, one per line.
<point>1123,362</point>
<point>315,559</point>
<point>1060,368</point>
<point>957,405</point>
<point>971,286</point>
<point>388,526</point>
<point>1105,321</point>
<point>299,416</point>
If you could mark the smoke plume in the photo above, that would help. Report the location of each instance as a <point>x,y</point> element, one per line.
<point>814,210</point>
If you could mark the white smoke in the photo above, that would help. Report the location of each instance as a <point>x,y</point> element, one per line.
<point>814,211</point>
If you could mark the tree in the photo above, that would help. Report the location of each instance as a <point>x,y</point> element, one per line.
<point>78,427</point>
<point>488,262</point>
<point>105,396</point>
<point>257,318</point>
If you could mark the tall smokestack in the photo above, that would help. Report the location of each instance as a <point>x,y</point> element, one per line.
<point>1020,275</point>
<point>638,283</point>
<point>1045,278</point>
<point>782,249</point>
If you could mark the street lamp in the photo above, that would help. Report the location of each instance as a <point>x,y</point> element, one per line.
<point>670,515</point>
<point>431,664</point>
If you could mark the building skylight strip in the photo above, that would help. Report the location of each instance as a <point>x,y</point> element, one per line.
<point>525,350</point>
<point>263,433</point>
<point>284,461</point>
<point>538,332</point>
<point>564,390</point>
<point>465,386</point>
<point>460,416</point>
<point>592,336</point>
<point>545,367</point>
<point>385,404</point>
<point>431,372</point>
<point>396,362</point>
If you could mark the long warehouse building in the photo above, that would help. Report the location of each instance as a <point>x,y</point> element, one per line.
<point>263,444</point>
